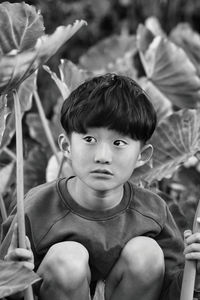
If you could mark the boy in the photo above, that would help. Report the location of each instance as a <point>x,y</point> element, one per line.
<point>96,225</point>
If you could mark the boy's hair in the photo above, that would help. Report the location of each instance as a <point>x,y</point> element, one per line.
<point>113,101</point>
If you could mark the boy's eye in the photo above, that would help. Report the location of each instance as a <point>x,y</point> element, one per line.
<point>89,139</point>
<point>119,143</point>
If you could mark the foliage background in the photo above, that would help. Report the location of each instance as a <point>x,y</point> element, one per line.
<point>104,18</point>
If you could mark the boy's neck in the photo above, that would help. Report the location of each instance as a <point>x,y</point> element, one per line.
<point>92,199</point>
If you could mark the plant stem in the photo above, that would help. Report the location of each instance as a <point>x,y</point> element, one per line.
<point>3,209</point>
<point>46,126</point>
<point>61,166</point>
<point>189,274</point>
<point>20,172</point>
<point>28,294</point>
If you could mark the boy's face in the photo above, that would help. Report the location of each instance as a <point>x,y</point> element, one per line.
<point>103,159</point>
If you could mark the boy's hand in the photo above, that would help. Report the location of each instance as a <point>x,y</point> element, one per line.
<point>25,256</point>
<point>192,245</point>
<point>192,252</point>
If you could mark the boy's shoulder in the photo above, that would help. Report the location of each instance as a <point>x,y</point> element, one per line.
<point>44,197</point>
<point>44,206</point>
<point>148,203</point>
<point>41,191</point>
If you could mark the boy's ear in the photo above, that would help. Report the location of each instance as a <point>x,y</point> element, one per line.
<point>64,144</point>
<point>145,155</point>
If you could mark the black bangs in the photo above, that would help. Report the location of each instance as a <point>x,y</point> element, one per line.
<point>111,101</point>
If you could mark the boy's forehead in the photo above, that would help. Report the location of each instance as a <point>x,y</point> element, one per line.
<point>104,131</point>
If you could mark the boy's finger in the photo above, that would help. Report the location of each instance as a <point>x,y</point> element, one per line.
<point>193,238</point>
<point>19,254</point>
<point>28,265</point>
<point>193,256</point>
<point>195,247</point>
<point>187,233</point>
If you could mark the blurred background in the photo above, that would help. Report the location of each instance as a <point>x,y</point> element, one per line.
<point>105,19</point>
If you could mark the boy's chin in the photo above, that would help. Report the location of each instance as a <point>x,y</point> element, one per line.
<point>103,186</point>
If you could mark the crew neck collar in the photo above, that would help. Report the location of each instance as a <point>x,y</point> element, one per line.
<point>76,208</point>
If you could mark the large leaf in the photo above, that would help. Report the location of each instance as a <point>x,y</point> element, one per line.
<point>162,105</point>
<point>184,36</point>
<point>170,69</point>
<point>5,174</point>
<point>53,167</point>
<point>71,76</point>
<point>175,140</point>
<point>4,111</point>
<point>16,67</point>
<point>61,85</point>
<point>15,278</point>
<point>153,24</point>
<point>35,167</point>
<point>25,93</point>
<point>123,65</point>
<point>20,27</point>
<point>108,51</point>
<point>36,129</point>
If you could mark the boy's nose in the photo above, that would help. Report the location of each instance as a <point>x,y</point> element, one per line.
<point>103,154</point>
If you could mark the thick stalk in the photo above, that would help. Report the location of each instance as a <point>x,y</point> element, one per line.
<point>20,172</point>
<point>61,166</point>
<point>189,274</point>
<point>20,182</point>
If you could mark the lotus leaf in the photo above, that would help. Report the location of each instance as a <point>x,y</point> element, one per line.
<point>15,278</point>
<point>25,93</point>
<point>169,68</point>
<point>20,27</point>
<point>108,51</point>
<point>184,36</point>
<point>16,67</point>
<point>175,140</point>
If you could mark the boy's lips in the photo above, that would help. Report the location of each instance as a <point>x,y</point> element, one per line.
<point>102,171</point>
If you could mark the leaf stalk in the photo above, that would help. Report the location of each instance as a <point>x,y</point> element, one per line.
<point>28,294</point>
<point>189,274</point>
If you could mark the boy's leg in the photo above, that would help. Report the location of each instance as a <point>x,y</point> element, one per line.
<point>65,273</point>
<point>139,272</point>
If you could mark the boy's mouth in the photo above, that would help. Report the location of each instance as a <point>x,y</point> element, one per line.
<point>102,171</point>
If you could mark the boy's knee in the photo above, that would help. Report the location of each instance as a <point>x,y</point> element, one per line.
<point>65,265</point>
<point>144,259</point>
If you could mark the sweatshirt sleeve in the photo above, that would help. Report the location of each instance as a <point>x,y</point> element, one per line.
<point>171,242</point>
